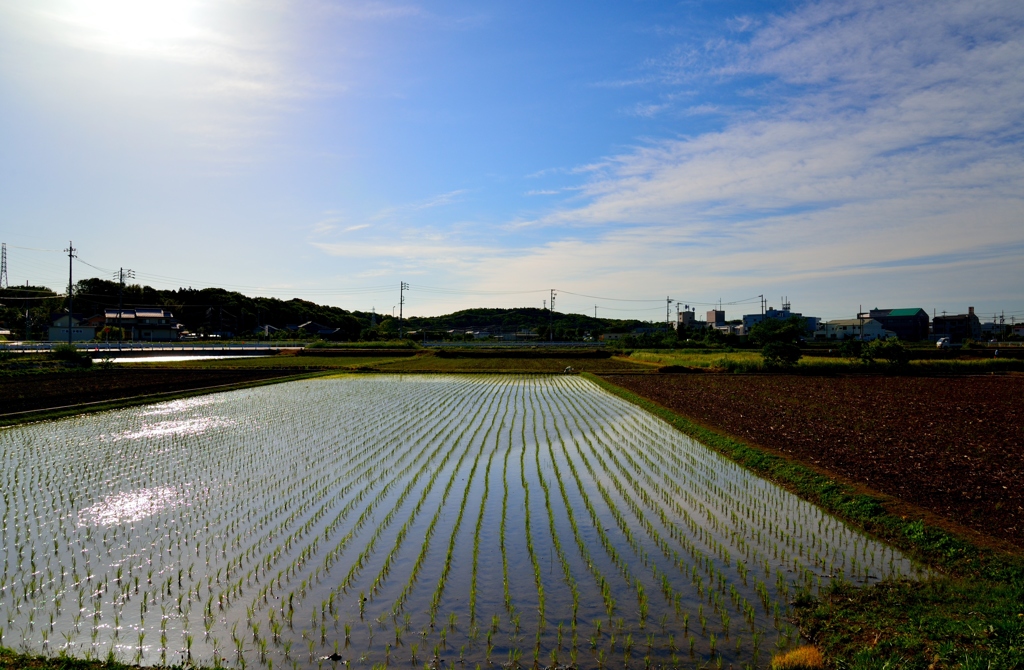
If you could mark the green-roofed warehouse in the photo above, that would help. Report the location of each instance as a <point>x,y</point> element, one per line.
<point>909,323</point>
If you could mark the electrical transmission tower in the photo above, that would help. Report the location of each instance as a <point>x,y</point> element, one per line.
<point>71,299</point>
<point>401,304</point>
<point>122,273</point>
<point>3,266</point>
<point>551,317</point>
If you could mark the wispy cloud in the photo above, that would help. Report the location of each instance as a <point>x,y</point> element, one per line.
<point>877,153</point>
<point>906,114</point>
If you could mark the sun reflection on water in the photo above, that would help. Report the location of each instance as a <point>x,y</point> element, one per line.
<point>130,506</point>
<point>180,427</point>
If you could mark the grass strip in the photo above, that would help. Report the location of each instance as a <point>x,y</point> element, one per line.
<point>972,615</point>
<point>10,660</point>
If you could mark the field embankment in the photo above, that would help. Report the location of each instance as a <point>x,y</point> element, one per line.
<point>441,361</point>
<point>52,390</point>
<point>948,445</point>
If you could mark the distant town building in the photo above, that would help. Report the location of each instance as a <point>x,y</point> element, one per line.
<point>686,318</point>
<point>856,329</point>
<point>731,328</point>
<point>716,317</point>
<point>957,327</point>
<point>909,323</point>
<point>751,320</point>
<point>79,331</point>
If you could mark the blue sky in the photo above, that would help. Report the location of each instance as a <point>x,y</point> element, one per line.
<point>839,153</point>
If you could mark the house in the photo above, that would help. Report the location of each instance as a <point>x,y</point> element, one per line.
<point>314,328</point>
<point>79,331</point>
<point>857,329</point>
<point>909,323</point>
<point>148,324</point>
<point>731,328</point>
<point>957,327</point>
<point>610,337</point>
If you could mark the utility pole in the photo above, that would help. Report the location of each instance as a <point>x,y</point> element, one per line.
<point>668,312</point>
<point>71,300</point>
<point>3,266</point>
<point>762,306</point>
<point>595,311</point>
<point>551,317</point>
<point>121,274</point>
<point>403,287</point>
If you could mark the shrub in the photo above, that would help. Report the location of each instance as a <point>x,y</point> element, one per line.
<point>892,351</point>
<point>850,348</point>
<point>780,354</point>
<point>778,330</point>
<point>71,356</point>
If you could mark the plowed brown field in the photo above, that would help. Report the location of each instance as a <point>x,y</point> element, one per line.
<point>953,446</point>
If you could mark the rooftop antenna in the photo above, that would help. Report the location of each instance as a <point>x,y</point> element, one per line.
<point>785,304</point>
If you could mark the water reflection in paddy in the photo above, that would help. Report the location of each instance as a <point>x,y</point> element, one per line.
<point>392,519</point>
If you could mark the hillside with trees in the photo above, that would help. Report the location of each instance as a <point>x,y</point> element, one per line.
<point>214,310</point>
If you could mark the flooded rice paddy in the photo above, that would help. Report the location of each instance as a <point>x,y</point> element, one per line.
<point>404,521</point>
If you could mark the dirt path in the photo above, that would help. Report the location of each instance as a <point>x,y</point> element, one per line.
<point>953,446</point>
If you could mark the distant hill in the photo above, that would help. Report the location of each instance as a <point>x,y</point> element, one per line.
<point>217,310</point>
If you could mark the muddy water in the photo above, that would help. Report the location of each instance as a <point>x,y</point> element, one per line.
<point>379,519</point>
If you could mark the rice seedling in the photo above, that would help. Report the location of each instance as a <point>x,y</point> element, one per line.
<point>253,513</point>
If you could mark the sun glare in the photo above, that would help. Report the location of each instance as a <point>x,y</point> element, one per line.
<point>135,24</point>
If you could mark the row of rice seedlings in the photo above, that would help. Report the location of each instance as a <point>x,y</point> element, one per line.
<point>400,601</point>
<point>642,493</point>
<point>385,522</point>
<point>446,569</point>
<point>480,523</point>
<point>671,554</point>
<point>806,516</point>
<point>562,558</point>
<point>385,476</point>
<point>538,582</point>
<point>329,603</point>
<point>719,502</point>
<point>163,592</point>
<point>507,596</point>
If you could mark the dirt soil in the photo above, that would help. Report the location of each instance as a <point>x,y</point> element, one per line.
<point>58,389</point>
<point>953,446</point>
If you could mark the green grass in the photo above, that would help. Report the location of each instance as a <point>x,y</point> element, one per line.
<point>383,344</point>
<point>968,615</point>
<point>430,363</point>
<point>10,659</point>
